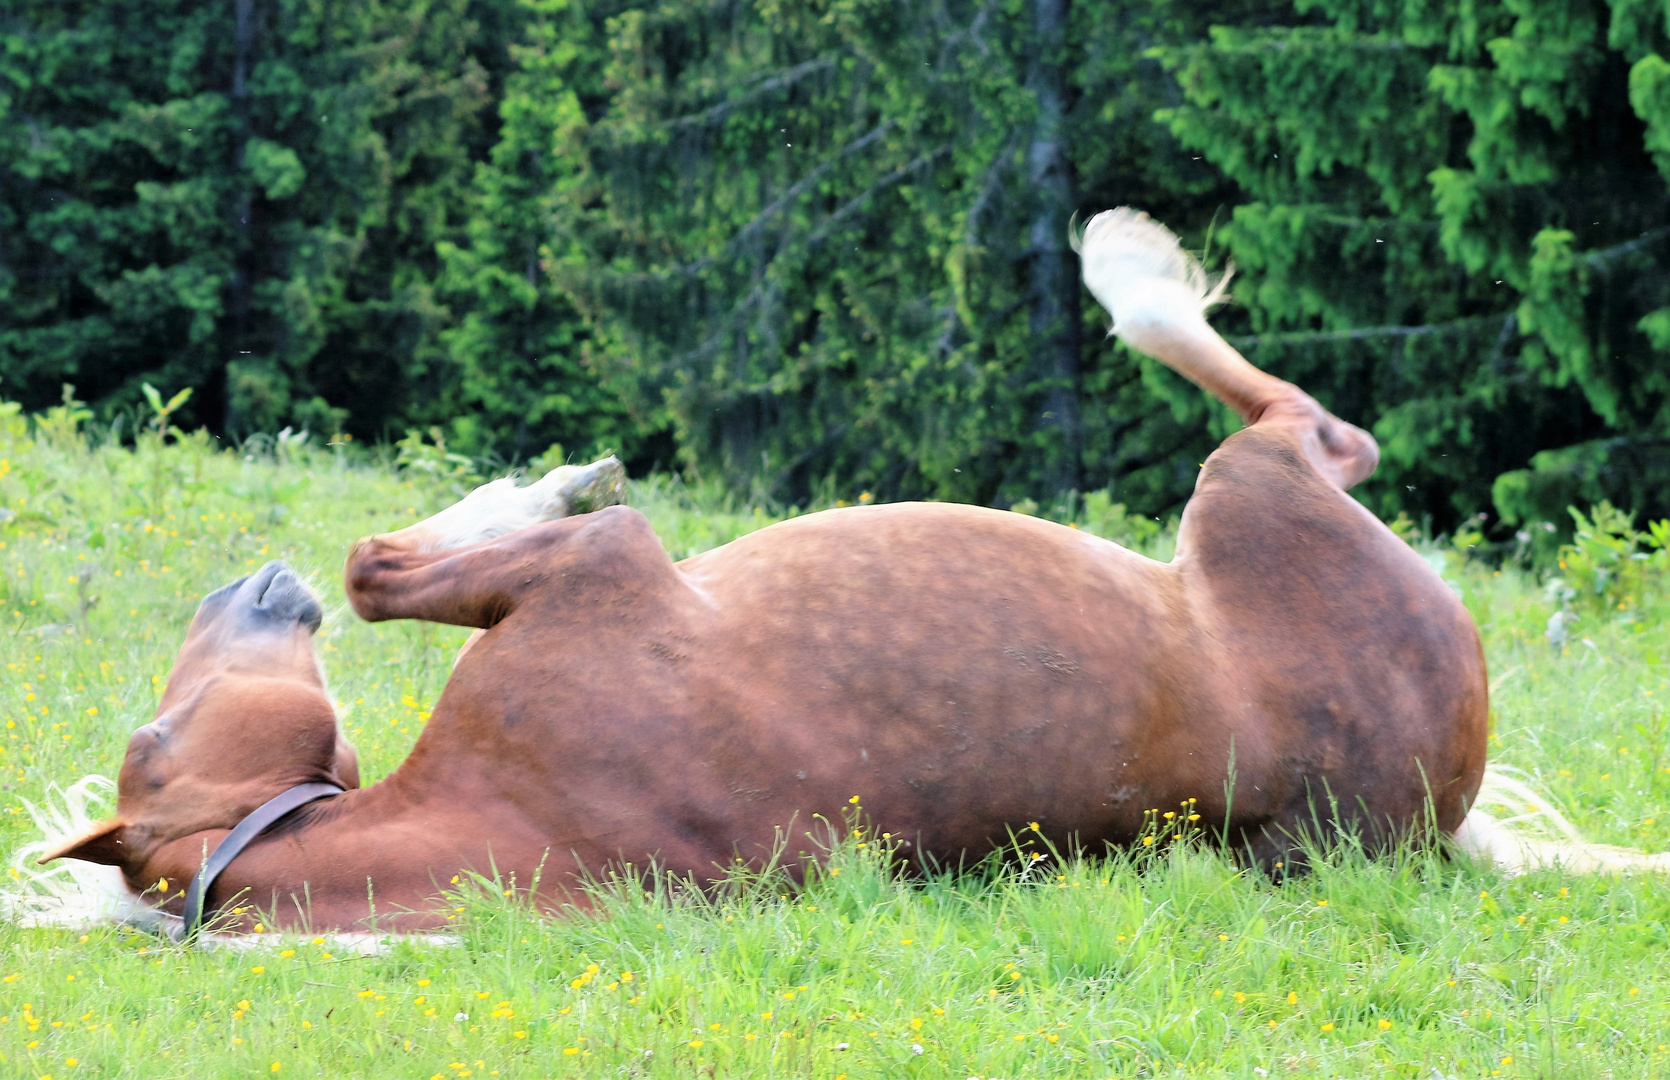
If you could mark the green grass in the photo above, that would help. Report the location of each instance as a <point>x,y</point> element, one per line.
<point>1167,963</point>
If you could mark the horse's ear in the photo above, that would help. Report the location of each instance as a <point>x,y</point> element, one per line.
<point>104,844</point>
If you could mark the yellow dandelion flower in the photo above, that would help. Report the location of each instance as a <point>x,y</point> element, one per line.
<point>1328,1027</point>
<point>1292,998</point>
<point>1385,1025</point>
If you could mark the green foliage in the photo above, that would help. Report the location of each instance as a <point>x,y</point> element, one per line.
<point>249,207</point>
<point>1452,231</point>
<point>814,249</point>
<point>1609,568</point>
<point>528,373</point>
<point>1096,513</point>
<point>434,459</point>
<point>816,239</point>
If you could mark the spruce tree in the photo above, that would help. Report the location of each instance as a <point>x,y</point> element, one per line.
<point>831,239</point>
<point>239,197</point>
<point>1451,229</point>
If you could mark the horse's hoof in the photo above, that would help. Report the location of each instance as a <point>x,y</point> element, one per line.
<point>580,489</point>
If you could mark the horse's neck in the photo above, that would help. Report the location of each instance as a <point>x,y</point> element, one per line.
<point>372,858</point>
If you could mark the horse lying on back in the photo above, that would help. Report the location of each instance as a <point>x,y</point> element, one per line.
<point>966,671</point>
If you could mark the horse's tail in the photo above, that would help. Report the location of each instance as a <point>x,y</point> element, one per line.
<point>1532,833</point>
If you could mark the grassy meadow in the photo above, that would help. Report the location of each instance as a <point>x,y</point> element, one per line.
<point>1168,962</point>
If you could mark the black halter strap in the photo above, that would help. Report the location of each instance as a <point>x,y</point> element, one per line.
<point>258,821</point>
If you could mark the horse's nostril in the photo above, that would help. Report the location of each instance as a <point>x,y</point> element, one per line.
<point>285,596</point>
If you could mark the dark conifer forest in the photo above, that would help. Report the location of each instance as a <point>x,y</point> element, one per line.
<point>820,247</point>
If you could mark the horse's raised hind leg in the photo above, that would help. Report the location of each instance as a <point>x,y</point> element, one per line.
<point>1349,672</point>
<point>465,565</point>
<point>1158,296</point>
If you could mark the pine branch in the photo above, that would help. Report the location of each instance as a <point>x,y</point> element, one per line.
<point>772,83</point>
<point>1604,258</point>
<point>1249,342</point>
<point>766,283</point>
<point>852,205</point>
<point>748,231</point>
<point>1601,259</point>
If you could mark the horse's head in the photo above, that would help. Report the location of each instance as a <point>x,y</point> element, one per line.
<point>245,716</point>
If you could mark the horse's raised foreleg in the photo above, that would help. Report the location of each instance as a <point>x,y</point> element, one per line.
<point>501,507</point>
<point>1158,296</point>
<point>468,564</point>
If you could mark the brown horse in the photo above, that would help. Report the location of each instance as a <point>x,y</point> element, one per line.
<point>966,671</point>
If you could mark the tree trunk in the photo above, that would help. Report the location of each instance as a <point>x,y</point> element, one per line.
<point>1054,292</point>
<point>243,36</point>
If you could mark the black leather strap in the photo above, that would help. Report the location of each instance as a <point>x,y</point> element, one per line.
<point>258,821</point>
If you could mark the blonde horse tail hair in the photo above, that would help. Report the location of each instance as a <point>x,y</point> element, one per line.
<point>1138,270</point>
<point>71,893</point>
<point>1158,295</point>
<point>1532,833</point>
